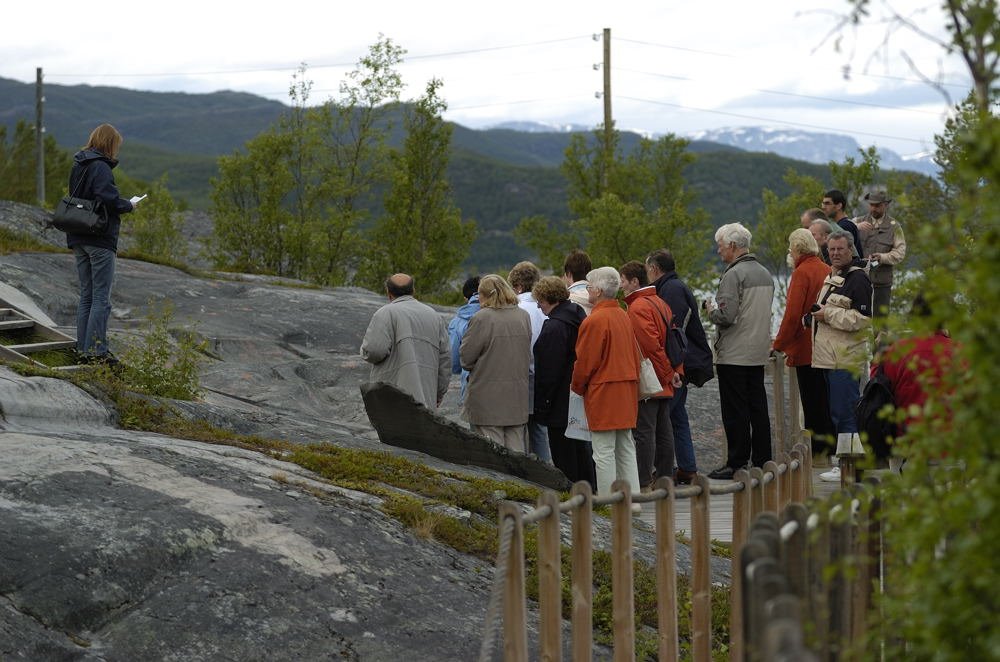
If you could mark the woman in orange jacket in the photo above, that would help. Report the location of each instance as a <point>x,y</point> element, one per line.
<point>651,318</point>
<point>795,339</point>
<point>606,375</point>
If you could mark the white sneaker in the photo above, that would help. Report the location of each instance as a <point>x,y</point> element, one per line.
<point>831,476</point>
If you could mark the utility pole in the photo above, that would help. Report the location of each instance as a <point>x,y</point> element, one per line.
<point>607,85</point>
<point>608,126</point>
<point>39,139</point>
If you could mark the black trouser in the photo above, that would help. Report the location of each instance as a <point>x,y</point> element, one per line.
<point>881,300</point>
<point>654,440</point>
<point>744,414</point>
<point>815,396</point>
<point>573,457</point>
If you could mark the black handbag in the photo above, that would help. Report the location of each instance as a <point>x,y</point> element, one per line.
<point>79,215</point>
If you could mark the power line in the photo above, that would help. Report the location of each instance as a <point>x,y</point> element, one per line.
<point>271,68</point>
<point>960,86</point>
<point>675,48</point>
<point>792,94</point>
<point>774,121</point>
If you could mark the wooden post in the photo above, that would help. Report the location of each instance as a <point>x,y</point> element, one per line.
<point>39,139</point>
<point>778,387</point>
<point>550,579</point>
<point>701,580</point>
<point>793,550</point>
<point>785,482</point>
<point>841,587</point>
<point>794,407</point>
<point>818,556</point>
<point>750,554</point>
<point>799,478</point>
<point>666,573</point>
<point>622,587</point>
<point>741,528</point>
<point>772,489</point>
<point>582,610</point>
<point>757,493</point>
<point>515,626</point>
<point>807,458</point>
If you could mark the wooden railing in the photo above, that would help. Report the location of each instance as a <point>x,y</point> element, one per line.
<point>761,489</point>
<point>810,576</point>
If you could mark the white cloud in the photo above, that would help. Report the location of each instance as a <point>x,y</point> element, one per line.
<point>515,60</point>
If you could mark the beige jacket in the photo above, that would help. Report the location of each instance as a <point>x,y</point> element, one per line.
<point>496,350</point>
<point>840,341</point>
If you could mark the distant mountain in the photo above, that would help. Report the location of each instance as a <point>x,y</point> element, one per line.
<point>810,146</point>
<point>498,175</point>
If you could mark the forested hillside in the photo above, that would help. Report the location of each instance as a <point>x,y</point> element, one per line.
<point>498,176</point>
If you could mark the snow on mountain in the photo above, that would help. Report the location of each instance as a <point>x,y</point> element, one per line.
<point>810,146</point>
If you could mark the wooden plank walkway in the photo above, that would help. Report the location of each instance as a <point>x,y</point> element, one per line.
<point>721,509</point>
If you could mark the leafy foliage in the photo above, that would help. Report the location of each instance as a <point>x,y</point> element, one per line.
<point>18,165</point>
<point>625,204</point>
<point>160,364</point>
<point>155,225</point>
<point>421,231</point>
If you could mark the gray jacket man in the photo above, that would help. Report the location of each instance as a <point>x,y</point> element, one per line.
<point>407,345</point>
<point>742,317</point>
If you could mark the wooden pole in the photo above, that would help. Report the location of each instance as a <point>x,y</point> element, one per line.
<point>757,493</point>
<point>608,122</point>
<point>550,579</point>
<point>741,527</point>
<point>39,139</point>
<point>666,573</point>
<point>622,585</point>
<point>582,610</point>
<point>701,583</point>
<point>794,407</point>
<point>778,388</point>
<point>515,625</point>
<point>772,489</point>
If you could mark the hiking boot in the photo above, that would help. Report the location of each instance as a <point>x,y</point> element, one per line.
<point>722,473</point>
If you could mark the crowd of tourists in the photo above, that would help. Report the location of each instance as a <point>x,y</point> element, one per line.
<point>590,369</point>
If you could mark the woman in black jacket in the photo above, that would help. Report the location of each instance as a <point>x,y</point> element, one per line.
<point>555,354</point>
<point>91,178</point>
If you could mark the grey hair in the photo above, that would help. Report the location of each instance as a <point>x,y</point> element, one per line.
<point>734,233</point>
<point>606,279</point>
<point>826,226</point>
<point>842,234</point>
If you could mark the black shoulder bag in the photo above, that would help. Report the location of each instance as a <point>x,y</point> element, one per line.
<point>79,215</point>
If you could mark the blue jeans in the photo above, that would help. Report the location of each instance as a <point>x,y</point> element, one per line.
<point>96,269</point>
<point>538,436</point>
<point>845,391</point>
<point>683,445</point>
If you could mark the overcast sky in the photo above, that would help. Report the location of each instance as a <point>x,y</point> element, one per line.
<point>676,66</point>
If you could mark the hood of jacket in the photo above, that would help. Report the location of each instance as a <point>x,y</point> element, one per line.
<point>568,312</point>
<point>466,311</point>
<point>85,156</point>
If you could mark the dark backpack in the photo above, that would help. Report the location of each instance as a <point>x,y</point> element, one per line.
<point>677,341</point>
<point>874,426</point>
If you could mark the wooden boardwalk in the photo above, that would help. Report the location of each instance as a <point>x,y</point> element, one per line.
<point>721,509</point>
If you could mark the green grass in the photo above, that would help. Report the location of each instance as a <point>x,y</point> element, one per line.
<point>12,241</point>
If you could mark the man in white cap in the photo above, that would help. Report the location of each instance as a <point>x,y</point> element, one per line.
<point>884,246</point>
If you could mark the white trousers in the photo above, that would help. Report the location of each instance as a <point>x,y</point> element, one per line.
<point>614,455</point>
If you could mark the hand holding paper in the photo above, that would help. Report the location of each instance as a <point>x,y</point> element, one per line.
<point>136,199</point>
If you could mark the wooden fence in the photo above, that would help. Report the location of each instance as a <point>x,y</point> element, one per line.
<point>758,490</point>
<point>810,575</point>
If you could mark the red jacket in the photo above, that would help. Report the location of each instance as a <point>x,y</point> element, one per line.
<point>650,317</point>
<point>606,372</point>
<point>915,367</point>
<point>794,339</point>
